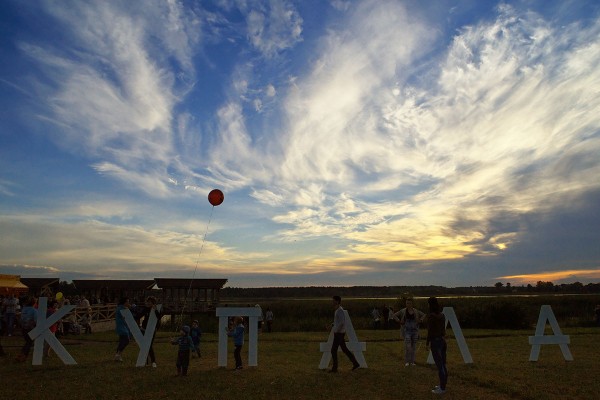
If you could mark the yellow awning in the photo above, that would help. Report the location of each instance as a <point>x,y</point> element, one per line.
<point>11,283</point>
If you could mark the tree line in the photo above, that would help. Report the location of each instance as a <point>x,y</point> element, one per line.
<point>402,291</point>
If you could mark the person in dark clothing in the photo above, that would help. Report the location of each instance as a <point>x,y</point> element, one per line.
<point>196,334</point>
<point>339,331</point>
<point>149,309</point>
<point>436,339</point>
<point>121,328</point>
<point>237,333</point>
<point>185,345</point>
<point>28,322</point>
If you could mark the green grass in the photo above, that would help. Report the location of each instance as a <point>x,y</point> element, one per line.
<point>288,369</point>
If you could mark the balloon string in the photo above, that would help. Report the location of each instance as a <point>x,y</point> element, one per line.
<point>197,262</point>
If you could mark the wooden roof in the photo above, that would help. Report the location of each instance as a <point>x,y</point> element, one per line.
<point>171,283</point>
<point>113,284</point>
<point>12,283</point>
<point>38,283</point>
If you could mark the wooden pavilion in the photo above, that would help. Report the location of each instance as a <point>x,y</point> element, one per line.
<point>38,287</point>
<point>11,284</point>
<point>189,295</point>
<point>109,291</point>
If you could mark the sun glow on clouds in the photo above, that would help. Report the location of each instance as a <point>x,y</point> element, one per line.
<point>374,153</point>
<point>555,276</point>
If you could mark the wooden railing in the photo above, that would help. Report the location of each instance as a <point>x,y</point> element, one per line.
<point>106,312</point>
<point>96,313</point>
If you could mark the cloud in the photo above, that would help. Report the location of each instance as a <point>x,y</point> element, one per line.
<point>6,188</point>
<point>112,248</point>
<point>29,270</point>
<point>273,27</point>
<point>378,151</point>
<point>555,276</point>
<point>113,83</point>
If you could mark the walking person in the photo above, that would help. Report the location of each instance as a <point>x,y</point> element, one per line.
<point>121,328</point>
<point>409,318</point>
<point>436,338</point>
<point>339,331</point>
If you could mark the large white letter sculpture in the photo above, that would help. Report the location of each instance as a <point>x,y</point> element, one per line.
<point>460,339</point>
<point>144,340</point>
<point>539,339</point>
<point>224,313</point>
<point>353,345</point>
<point>41,333</point>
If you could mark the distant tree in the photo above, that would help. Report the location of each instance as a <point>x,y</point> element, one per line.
<point>68,289</point>
<point>542,286</point>
<point>499,285</point>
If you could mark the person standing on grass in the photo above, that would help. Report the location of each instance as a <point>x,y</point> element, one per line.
<point>121,328</point>
<point>376,318</point>
<point>237,333</point>
<point>28,322</point>
<point>409,319</point>
<point>436,338</point>
<point>196,333</point>
<point>339,331</point>
<point>269,318</point>
<point>10,312</point>
<point>185,345</point>
<point>148,310</point>
<point>53,328</point>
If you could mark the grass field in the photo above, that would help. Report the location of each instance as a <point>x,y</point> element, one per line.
<point>288,369</point>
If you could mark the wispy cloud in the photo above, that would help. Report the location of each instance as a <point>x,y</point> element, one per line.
<point>499,132</point>
<point>377,151</point>
<point>273,26</point>
<point>114,83</point>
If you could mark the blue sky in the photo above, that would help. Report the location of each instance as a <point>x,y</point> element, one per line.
<point>450,143</point>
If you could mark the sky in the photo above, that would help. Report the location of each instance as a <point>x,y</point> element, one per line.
<point>376,142</point>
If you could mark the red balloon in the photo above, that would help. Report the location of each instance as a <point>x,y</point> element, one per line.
<point>215,197</point>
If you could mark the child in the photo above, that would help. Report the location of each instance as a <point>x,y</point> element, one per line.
<point>195,333</point>
<point>186,344</point>
<point>238,340</point>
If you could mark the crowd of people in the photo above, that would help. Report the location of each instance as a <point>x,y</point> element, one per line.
<point>11,310</point>
<point>21,315</point>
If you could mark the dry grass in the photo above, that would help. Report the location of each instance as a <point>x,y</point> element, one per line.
<point>288,369</point>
